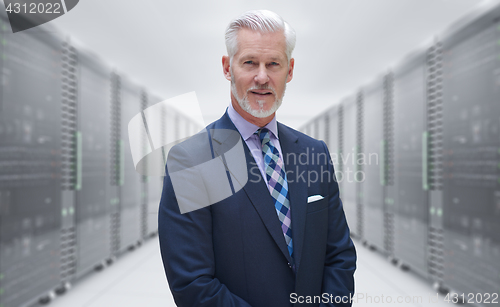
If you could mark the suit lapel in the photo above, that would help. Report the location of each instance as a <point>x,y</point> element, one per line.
<point>256,188</point>
<point>297,187</point>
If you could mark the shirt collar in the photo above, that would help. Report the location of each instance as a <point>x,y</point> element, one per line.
<point>247,129</point>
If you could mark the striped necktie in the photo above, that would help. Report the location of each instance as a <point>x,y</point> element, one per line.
<point>277,184</point>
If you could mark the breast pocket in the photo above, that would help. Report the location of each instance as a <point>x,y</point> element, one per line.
<point>317,205</point>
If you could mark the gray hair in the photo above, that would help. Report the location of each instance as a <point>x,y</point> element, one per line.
<point>263,21</point>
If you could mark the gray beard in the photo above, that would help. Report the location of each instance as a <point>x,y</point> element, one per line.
<point>245,104</point>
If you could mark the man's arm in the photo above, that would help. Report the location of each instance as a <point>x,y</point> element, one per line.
<point>340,261</point>
<point>187,251</point>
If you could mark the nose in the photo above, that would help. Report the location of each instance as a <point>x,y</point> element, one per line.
<point>261,77</point>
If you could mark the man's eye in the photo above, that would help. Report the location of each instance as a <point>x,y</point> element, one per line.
<point>248,62</point>
<point>274,63</point>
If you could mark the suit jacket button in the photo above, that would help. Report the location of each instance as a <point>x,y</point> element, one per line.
<point>289,265</point>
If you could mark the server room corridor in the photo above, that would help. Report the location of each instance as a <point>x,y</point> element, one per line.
<point>138,279</point>
<point>404,94</point>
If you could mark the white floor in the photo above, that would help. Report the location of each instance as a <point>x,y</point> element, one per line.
<point>137,279</point>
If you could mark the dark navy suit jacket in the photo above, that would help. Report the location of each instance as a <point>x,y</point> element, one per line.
<point>233,253</point>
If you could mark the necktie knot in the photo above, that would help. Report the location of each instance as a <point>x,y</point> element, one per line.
<point>264,136</point>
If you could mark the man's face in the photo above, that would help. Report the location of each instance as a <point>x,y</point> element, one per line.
<point>259,72</point>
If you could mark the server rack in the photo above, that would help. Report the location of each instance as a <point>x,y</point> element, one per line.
<point>155,183</point>
<point>172,129</point>
<point>70,198</point>
<point>130,189</point>
<point>388,166</point>
<point>316,128</point>
<point>144,178</point>
<point>116,165</point>
<point>372,160</point>
<point>333,139</point>
<point>410,155</point>
<point>329,118</point>
<point>434,162</point>
<point>351,136</point>
<point>321,123</point>
<point>336,143</point>
<point>332,135</point>
<point>327,129</point>
<point>179,128</point>
<point>440,159</point>
<point>471,151</point>
<point>70,164</point>
<point>152,184</point>
<point>30,163</point>
<point>93,195</point>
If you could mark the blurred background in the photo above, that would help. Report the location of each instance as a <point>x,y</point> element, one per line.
<point>415,82</point>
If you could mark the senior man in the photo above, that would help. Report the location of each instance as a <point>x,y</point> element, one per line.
<point>279,240</point>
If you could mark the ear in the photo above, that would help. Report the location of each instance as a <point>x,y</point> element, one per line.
<point>290,70</point>
<point>226,67</point>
